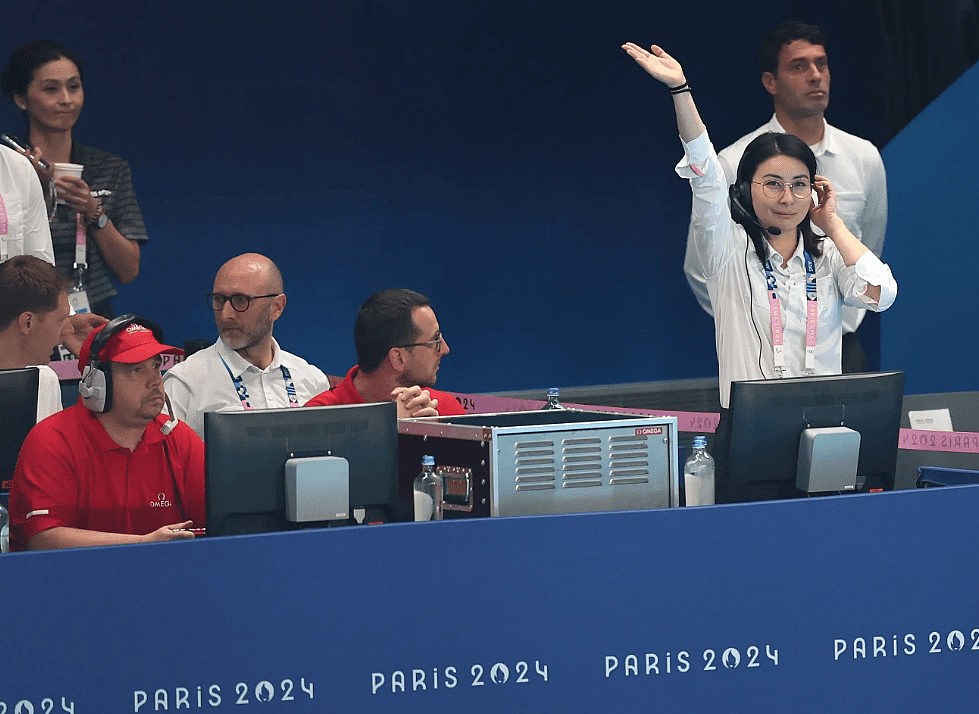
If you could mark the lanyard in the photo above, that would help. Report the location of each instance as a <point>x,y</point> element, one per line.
<point>4,229</point>
<point>243,392</point>
<point>81,243</point>
<point>812,313</point>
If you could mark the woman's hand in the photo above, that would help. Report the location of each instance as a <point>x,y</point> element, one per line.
<point>658,63</point>
<point>77,193</point>
<point>824,215</point>
<point>668,71</point>
<point>45,174</point>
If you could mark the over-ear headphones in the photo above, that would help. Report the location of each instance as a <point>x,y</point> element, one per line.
<point>95,388</point>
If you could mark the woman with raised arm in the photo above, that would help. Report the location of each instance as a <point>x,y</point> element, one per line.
<point>97,227</point>
<point>775,285</point>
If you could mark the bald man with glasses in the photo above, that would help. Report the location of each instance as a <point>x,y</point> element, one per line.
<point>399,349</point>
<point>245,369</point>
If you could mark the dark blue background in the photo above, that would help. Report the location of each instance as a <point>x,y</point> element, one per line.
<point>508,160</point>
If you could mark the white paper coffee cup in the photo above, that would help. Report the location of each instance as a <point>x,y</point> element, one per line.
<point>68,170</point>
<point>64,170</point>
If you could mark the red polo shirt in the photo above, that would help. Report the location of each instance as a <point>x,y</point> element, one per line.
<point>346,393</point>
<point>71,473</point>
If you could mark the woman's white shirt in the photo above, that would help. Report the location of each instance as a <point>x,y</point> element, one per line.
<point>738,289</point>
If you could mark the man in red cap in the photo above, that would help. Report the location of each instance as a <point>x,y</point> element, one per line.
<point>111,469</point>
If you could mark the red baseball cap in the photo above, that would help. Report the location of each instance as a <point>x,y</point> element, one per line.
<point>130,345</point>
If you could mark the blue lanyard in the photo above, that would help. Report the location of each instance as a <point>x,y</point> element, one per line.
<point>243,392</point>
<point>812,315</point>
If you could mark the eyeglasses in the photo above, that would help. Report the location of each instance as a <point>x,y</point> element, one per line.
<point>774,188</point>
<point>437,341</point>
<point>239,303</point>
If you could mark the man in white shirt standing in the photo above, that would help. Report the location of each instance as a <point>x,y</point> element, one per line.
<point>795,72</point>
<point>33,313</point>
<point>245,369</point>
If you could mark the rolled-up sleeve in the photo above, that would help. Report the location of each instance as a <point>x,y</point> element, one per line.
<point>867,271</point>
<point>713,237</point>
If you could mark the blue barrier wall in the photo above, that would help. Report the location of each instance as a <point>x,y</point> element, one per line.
<point>931,243</point>
<point>843,604</point>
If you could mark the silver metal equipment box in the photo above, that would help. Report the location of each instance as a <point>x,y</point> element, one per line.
<point>548,461</point>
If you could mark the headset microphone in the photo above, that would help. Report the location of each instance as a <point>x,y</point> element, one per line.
<point>172,421</point>
<point>749,215</point>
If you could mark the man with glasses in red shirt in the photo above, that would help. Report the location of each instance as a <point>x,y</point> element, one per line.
<point>245,369</point>
<point>399,348</point>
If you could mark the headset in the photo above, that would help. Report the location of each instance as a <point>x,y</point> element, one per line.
<point>740,194</point>
<point>95,387</point>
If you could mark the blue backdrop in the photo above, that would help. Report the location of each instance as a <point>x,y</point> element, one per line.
<point>932,244</point>
<point>507,159</point>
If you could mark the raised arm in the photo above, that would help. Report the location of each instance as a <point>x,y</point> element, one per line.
<point>658,63</point>
<point>825,217</point>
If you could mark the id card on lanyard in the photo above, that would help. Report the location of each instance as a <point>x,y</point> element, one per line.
<point>243,391</point>
<point>812,314</point>
<point>77,297</point>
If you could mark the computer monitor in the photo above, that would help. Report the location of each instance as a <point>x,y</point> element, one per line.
<point>18,404</point>
<point>246,453</point>
<point>767,418</point>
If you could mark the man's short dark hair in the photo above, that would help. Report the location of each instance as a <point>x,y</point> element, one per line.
<point>28,284</point>
<point>385,321</point>
<point>784,34</point>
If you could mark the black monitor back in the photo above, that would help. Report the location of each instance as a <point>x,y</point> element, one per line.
<point>18,404</point>
<point>246,451</point>
<point>767,418</point>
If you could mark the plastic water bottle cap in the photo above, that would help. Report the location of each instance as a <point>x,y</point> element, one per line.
<point>699,441</point>
<point>553,392</point>
<point>428,460</point>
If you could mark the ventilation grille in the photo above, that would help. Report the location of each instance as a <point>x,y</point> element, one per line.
<point>581,462</point>
<point>535,465</point>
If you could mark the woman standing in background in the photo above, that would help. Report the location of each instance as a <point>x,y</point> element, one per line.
<point>96,227</point>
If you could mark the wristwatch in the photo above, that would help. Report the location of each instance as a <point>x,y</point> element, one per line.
<point>99,220</point>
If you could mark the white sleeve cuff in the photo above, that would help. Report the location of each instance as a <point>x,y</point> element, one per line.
<point>696,153</point>
<point>871,270</point>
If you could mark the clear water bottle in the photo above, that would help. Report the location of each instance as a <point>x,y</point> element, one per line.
<point>698,474</point>
<point>4,530</point>
<point>428,492</point>
<point>552,399</point>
